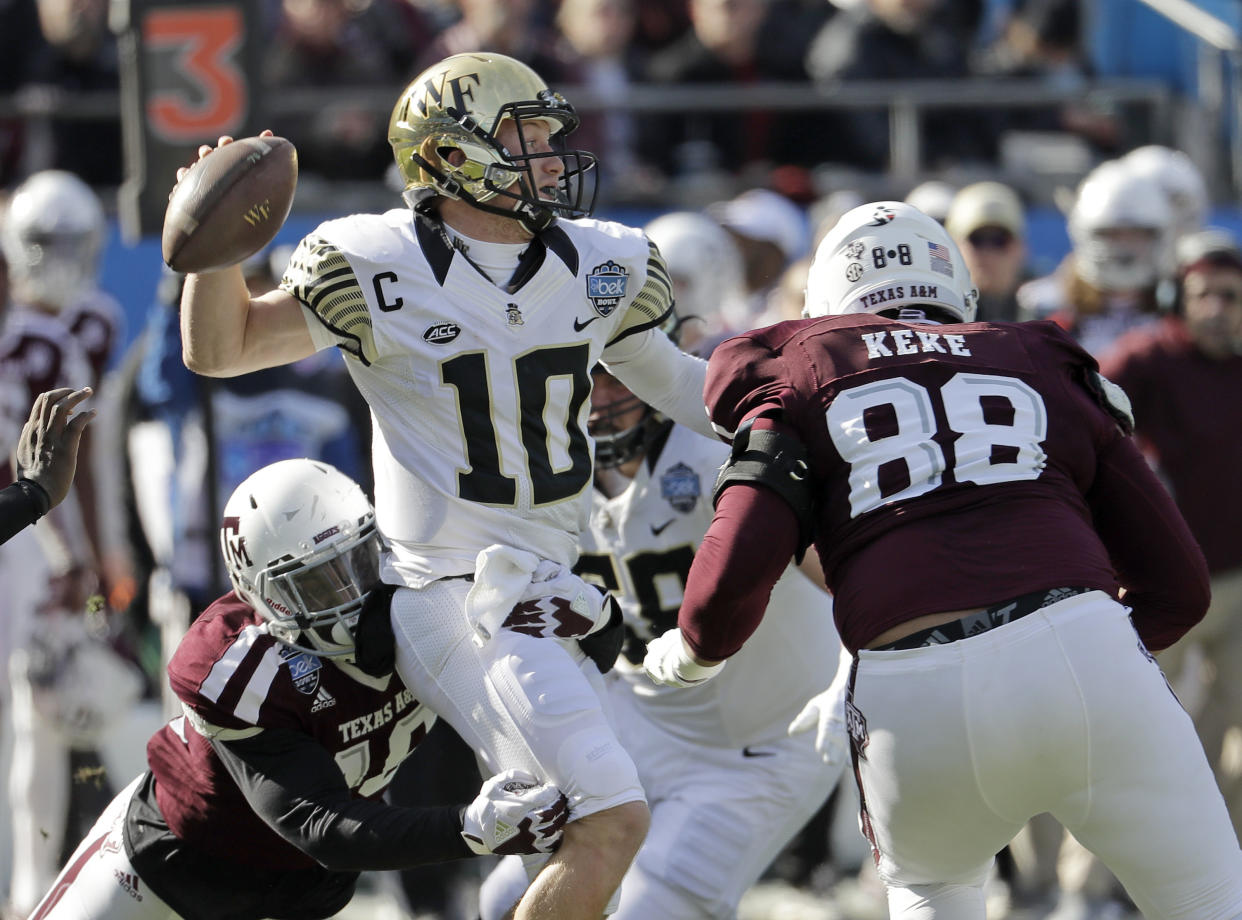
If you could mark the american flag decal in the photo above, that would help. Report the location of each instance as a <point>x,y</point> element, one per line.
<point>940,259</point>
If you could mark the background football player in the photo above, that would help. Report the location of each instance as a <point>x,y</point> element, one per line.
<point>264,799</point>
<point>470,322</point>
<point>58,333</point>
<point>1122,228</point>
<point>727,786</point>
<point>996,676</point>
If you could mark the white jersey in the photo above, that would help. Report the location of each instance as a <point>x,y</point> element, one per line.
<point>640,544</point>
<point>479,391</point>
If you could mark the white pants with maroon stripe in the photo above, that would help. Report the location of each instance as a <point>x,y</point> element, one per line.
<point>1062,711</point>
<point>99,882</point>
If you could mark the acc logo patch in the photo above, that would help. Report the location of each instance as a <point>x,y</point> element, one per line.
<point>441,333</point>
<point>303,668</point>
<point>681,487</point>
<point>606,286</point>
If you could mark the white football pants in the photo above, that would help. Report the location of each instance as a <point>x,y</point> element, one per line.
<point>99,882</point>
<point>1062,711</point>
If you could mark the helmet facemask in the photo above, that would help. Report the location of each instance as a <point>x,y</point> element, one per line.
<point>616,443</point>
<point>322,592</point>
<point>55,269</point>
<point>1121,229</point>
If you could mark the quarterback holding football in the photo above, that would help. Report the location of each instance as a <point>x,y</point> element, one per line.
<point>470,319</point>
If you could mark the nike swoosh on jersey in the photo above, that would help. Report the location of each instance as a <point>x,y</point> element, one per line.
<point>747,752</point>
<point>657,529</point>
<point>579,325</point>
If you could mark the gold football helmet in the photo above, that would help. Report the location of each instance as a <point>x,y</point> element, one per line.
<point>459,104</point>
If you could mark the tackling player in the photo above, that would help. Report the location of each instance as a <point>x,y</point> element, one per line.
<point>264,798</point>
<point>976,504</point>
<point>470,321</point>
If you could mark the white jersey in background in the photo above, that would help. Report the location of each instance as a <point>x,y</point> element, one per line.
<point>727,786</point>
<point>640,544</point>
<point>479,391</point>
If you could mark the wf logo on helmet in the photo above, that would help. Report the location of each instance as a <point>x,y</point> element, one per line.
<point>455,87</point>
<point>606,286</point>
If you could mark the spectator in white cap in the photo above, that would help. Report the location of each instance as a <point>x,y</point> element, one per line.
<point>771,232</point>
<point>988,223</point>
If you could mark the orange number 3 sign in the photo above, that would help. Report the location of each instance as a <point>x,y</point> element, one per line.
<point>203,94</point>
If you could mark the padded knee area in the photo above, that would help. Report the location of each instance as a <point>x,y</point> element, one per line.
<point>601,770</point>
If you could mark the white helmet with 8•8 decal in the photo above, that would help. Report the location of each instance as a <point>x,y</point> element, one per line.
<point>301,547</point>
<point>885,257</point>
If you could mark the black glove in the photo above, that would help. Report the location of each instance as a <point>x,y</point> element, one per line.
<point>375,648</point>
<point>604,645</point>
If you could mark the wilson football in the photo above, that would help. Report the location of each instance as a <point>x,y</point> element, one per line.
<point>230,204</point>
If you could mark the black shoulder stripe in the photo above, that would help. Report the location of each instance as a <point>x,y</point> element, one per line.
<point>559,242</point>
<point>436,249</point>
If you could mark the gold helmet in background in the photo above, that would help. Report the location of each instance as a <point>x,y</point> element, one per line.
<point>459,104</point>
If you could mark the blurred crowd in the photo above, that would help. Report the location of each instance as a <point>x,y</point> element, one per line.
<point>606,48</point>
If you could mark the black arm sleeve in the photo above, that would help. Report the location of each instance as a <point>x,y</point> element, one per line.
<point>19,508</point>
<point>295,786</point>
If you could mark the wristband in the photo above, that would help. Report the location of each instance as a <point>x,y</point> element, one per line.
<point>37,494</point>
<point>695,672</point>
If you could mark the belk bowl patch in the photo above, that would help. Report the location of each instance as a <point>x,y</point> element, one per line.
<point>303,668</point>
<point>606,286</point>
<point>680,485</point>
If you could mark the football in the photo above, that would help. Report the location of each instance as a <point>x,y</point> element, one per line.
<point>230,204</point>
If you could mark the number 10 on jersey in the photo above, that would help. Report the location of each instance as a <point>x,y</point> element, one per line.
<point>533,371</point>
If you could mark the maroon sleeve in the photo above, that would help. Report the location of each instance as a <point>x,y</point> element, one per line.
<point>743,373</point>
<point>1157,559</point>
<point>747,547</point>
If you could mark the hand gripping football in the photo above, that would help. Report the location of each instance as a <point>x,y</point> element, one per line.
<point>230,204</point>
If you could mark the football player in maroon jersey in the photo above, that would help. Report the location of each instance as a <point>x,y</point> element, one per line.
<point>263,798</point>
<point>978,507</point>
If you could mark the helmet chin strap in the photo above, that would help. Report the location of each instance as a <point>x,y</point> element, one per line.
<point>532,218</point>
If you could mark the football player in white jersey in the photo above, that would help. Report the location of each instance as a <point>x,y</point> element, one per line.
<point>727,786</point>
<point>470,321</point>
